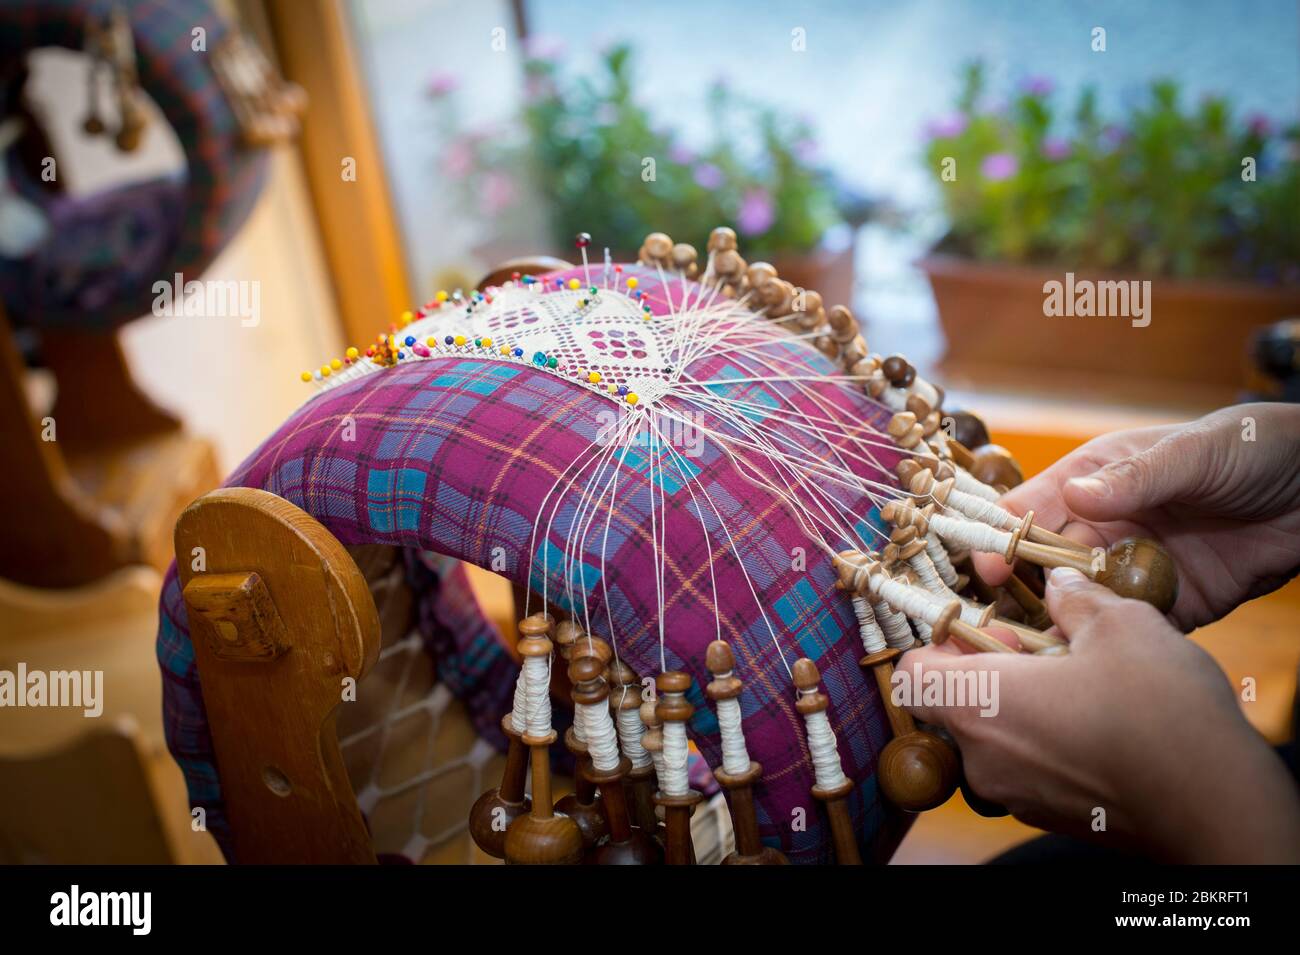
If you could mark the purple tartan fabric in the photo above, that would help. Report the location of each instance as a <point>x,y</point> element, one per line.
<point>457,454</point>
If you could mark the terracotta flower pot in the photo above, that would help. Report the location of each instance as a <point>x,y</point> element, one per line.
<point>996,325</point>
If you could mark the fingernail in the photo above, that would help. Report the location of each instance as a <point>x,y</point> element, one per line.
<point>1092,486</point>
<point>1065,578</point>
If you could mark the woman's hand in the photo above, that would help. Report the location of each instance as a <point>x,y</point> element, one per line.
<point>1222,494</point>
<point>1136,731</point>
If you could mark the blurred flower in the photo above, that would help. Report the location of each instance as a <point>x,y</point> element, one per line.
<point>442,84</point>
<point>999,166</point>
<point>458,159</point>
<point>1056,148</point>
<point>544,47</point>
<point>757,213</point>
<point>1259,125</point>
<point>681,154</point>
<point>947,127</point>
<point>709,176</point>
<point>1037,86</point>
<point>498,192</point>
<point>1113,136</point>
<point>805,150</point>
<point>537,87</point>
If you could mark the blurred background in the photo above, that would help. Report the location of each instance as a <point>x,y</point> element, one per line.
<point>931,164</point>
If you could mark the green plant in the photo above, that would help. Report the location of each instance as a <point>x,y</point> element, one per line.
<point>1161,192</point>
<point>588,147</point>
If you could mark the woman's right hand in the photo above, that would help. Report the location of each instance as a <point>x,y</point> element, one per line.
<point>1221,494</point>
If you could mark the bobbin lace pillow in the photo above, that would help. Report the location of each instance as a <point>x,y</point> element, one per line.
<point>662,523</point>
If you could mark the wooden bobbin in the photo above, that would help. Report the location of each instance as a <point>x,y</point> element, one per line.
<point>673,707</point>
<point>582,805</point>
<point>684,259</point>
<point>541,836</point>
<point>950,624</point>
<point>653,741</point>
<point>656,250</point>
<point>624,845</point>
<point>835,799</point>
<point>492,812</point>
<point>918,770</point>
<point>625,694</point>
<point>744,820</point>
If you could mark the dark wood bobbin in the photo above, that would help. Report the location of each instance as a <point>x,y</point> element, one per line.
<point>740,788</point>
<point>625,694</point>
<point>541,836</point>
<point>582,805</point>
<point>835,799</point>
<point>492,812</point>
<point>917,769</point>
<point>675,708</point>
<point>625,845</point>
<point>994,465</point>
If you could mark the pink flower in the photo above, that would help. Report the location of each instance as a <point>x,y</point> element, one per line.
<point>709,176</point>
<point>999,166</point>
<point>442,84</point>
<point>681,155</point>
<point>1259,125</point>
<point>756,213</point>
<point>498,192</point>
<point>458,160</point>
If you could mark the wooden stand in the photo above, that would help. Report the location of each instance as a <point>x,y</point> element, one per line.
<point>105,492</point>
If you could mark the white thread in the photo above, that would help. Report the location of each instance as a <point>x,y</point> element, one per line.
<point>905,598</point>
<point>602,743</point>
<point>657,757</point>
<point>985,512</point>
<point>873,638</point>
<point>630,731</point>
<point>970,484</point>
<point>673,778</point>
<point>970,534</point>
<point>537,675</point>
<point>939,557</point>
<point>518,719</point>
<point>821,743</point>
<point>898,632</point>
<point>735,757</point>
<point>928,573</point>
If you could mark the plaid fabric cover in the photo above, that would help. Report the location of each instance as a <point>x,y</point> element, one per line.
<point>220,186</point>
<point>457,455</point>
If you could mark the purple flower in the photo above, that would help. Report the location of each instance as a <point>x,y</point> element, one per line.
<point>1259,125</point>
<point>1113,136</point>
<point>458,160</point>
<point>1037,86</point>
<point>756,213</point>
<point>946,127</point>
<point>681,155</point>
<point>999,166</point>
<point>805,150</point>
<point>1055,148</point>
<point>543,47</point>
<point>442,84</point>
<point>709,176</point>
